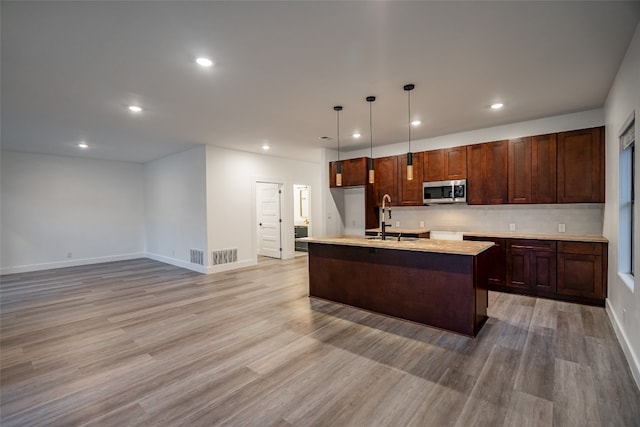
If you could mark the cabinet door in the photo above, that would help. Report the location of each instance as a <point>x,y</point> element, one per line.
<point>518,267</point>
<point>520,170</point>
<point>543,272</point>
<point>455,163</point>
<point>475,174</point>
<point>496,271</point>
<point>332,174</point>
<point>433,169</point>
<point>543,168</point>
<point>410,192</point>
<point>581,166</point>
<point>386,181</point>
<point>495,173</point>
<point>354,172</point>
<point>580,275</point>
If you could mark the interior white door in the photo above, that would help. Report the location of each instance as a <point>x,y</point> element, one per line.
<point>269,219</point>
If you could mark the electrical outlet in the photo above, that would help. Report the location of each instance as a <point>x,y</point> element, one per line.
<point>69,255</point>
<point>421,224</point>
<point>561,228</point>
<point>512,227</point>
<point>397,223</point>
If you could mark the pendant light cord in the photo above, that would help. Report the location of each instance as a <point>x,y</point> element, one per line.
<point>370,130</point>
<point>338,130</point>
<point>409,108</point>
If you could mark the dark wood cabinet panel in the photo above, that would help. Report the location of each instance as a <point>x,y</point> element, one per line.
<point>531,266</point>
<point>445,164</point>
<point>433,165</point>
<point>496,257</point>
<point>543,168</point>
<point>520,170</point>
<point>543,272</point>
<point>581,166</point>
<point>410,192</point>
<point>455,163</point>
<point>487,178</point>
<point>386,179</point>
<point>582,270</point>
<point>475,174</point>
<point>496,173</point>
<point>354,172</point>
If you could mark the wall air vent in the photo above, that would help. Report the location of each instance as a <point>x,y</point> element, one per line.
<point>196,256</point>
<point>224,256</point>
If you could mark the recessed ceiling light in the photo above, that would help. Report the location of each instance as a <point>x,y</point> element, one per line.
<point>356,135</point>
<point>83,145</point>
<point>265,146</point>
<point>135,108</point>
<point>204,62</point>
<point>416,122</point>
<point>497,106</point>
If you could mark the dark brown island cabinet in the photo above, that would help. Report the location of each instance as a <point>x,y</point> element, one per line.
<point>443,290</point>
<point>572,271</point>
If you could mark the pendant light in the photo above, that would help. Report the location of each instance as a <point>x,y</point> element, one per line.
<point>409,88</point>
<point>337,109</point>
<point>370,100</point>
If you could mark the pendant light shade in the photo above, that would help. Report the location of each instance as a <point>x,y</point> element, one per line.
<point>337,109</point>
<point>409,88</point>
<point>372,179</point>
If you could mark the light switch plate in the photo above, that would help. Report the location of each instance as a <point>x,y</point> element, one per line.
<point>512,227</point>
<point>397,223</point>
<point>421,224</point>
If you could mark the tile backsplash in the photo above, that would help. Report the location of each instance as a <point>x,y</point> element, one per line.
<point>581,219</point>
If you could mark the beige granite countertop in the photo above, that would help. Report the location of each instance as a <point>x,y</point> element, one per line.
<point>560,237</point>
<point>455,247</point>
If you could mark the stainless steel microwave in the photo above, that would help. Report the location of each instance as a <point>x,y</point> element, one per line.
<point>444,192</point>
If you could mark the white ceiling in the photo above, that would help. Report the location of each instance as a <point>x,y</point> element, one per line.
<point>69,69</point>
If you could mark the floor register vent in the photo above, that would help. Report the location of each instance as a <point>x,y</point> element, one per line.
<point>224,256</point>
<point>196,256</point>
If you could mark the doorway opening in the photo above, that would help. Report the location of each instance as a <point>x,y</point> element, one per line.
<point>268,203</point>
<point>301,216</point>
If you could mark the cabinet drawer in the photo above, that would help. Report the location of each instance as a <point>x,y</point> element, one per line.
<point>539,245</point>
<point>587,248</point>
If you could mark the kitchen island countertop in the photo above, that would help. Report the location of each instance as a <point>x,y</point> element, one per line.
<point>455,247</point>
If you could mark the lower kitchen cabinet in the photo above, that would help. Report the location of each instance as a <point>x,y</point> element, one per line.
<point>564,270</point>
<point>496,268</point>
<point>582,270</point>
<point>531,266</point>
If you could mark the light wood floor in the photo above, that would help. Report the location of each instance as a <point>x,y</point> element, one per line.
<point>143,343</point>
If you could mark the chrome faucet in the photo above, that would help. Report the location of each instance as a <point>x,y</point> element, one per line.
<point>387,198</point>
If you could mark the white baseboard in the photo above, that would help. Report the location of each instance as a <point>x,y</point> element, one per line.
<point>177,262</point>
<point>69,263</point>
<point>231,266</point>
<point>632,358</point>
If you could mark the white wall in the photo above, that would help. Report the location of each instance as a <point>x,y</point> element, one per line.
<point>623,304</point>
<point>175,200</point>
<point>53,206</point>
<point>231,201</point>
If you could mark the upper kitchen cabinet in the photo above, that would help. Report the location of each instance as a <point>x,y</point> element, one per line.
<point>445,164</point>
<point>543,168</point>
<point>386,179</point>
<point>520,170</point>
<point>354,172</point>
<point>581,166</point>
<point>487,179</point>
<point>532,169</point>
<point>410,192</point>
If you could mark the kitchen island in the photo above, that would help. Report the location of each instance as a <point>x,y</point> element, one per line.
<point>433,282</point>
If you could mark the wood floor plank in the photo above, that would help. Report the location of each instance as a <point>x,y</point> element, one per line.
<point>143,343</point>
